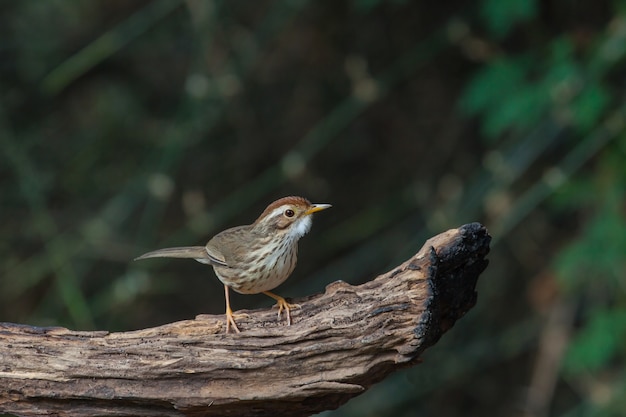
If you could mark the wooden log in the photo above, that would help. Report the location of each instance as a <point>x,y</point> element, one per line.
<point>340,343</point>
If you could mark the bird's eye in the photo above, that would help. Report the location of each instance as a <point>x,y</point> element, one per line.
<point>289,213</point>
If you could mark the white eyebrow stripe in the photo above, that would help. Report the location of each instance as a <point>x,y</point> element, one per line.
<point>278,211</point>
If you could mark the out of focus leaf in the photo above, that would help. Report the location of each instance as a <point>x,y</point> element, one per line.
<point>588,107</point>
<point>491,85</point>
<point>502,16</point>
<point>600,341</point>
<point>489,90</point>
<point>367,5</point>
<point>520,110</point>
<point>597,257</point>
<point>505,98</point>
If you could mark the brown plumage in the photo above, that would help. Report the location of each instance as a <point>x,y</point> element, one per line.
<point>255,258</point>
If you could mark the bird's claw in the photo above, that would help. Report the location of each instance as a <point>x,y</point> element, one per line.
<point>230,320</point>
<point>284,305</point>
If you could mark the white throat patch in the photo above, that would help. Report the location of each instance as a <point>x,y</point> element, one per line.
<point>301,227</point>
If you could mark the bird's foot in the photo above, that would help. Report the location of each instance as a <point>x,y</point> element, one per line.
<point>230,320</point>
<point>282,304</point>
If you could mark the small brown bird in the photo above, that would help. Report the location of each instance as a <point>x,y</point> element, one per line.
<point>255,258</point>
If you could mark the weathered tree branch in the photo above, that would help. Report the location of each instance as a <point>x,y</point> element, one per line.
<point>341,342</point>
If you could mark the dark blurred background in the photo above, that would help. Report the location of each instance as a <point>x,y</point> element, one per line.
<point>127,126</point>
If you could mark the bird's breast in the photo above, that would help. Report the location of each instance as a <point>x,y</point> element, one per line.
<point>261,270</point>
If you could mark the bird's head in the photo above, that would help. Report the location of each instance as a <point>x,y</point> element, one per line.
<point>290,216</point>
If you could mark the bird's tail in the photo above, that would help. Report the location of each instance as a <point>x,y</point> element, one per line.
<point>190,252</point>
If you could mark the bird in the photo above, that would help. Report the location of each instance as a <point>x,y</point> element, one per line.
<point>254,258</point>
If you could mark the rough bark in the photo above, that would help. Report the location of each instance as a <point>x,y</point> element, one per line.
<point>341,342</point>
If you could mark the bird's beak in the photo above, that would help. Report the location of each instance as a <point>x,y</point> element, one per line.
<point>317,207</point>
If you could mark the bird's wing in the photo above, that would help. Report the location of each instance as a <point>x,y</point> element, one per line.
<point>215,255</point>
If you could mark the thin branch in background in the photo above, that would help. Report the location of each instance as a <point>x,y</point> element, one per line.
<point>553,343</point>
<point>107,44</point>
<point>66,277</point>
<point>560,173</point>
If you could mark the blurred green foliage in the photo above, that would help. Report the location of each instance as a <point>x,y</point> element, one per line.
<point>570,82</point>
<point>501,17</point>
<point>127,126</point>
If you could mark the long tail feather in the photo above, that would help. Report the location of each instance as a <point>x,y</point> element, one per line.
<point>188,252</point>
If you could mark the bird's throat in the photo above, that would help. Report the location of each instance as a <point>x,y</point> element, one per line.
<point>300,228</point>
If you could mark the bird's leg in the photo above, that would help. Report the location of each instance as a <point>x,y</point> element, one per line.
<point>230,319</point>
<point>282,304</point>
